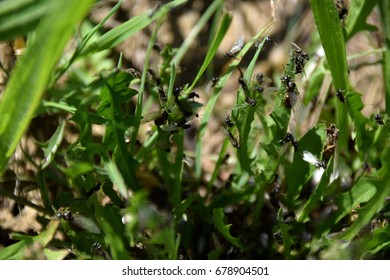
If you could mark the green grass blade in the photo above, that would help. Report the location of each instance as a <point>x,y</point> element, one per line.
<point>86,39</point>
<point>214,97</point>
<point>32,74</point>
<point>18,17</point>
<point>332,39</point>
<point>218,165</point>
<point>124,31</point>
<point>139,107</point>
<point>17,250</point>
<point>115,176</point>
<point>195,31</point>
<point>53,144</point>
<point>284,228</point>
<point>245,117</point>
<point>178,169</point>
<point>225,23</point>
<point>384,9</point>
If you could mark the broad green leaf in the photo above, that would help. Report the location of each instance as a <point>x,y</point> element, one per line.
<point>115,96</point>
<point>362,192</point>
<point>78,168</point>
<point>354,105</point>
<point>377,241</point>
<point>218,220</point>
<point>357,16</point>
<point>33,71</point>
<point>54,254</point>
<point>299,172</point>
<point>382,186</point>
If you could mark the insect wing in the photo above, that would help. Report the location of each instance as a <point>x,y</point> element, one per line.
<point>232,139</point>
<point>236,47</point>
<point>152,116</point>
<point>310,158</point>
<point>297,106</point>
<point>85,223</point>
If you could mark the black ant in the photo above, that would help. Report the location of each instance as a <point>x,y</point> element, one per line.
<point>342,9</point>
<point>228,121</point>
<point>340,96</point>
<point>290,138</point>
<point>292,91</point>
<point>379,119</point>
<point>300,59</point>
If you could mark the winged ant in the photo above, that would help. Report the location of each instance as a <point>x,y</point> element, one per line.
<point>379,119</point>
<point>290,138</point>
<point>339,95</point>
<point>237,46</point>
<point>300,58</point>
<point>228,121</point>
<point>342,10</point>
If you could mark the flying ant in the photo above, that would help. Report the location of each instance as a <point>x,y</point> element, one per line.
<point>135,73</point>
<point>379,119</point>
<point>77,221</point>
<point>332,133</point>
<point>290,138</point>
<point>310,158</point>
<point>342,9</point>
<point>262,81</point>
<point>292,91</point>
<point>225,158</point>
<point>267,40</point>
<point>237,46</point>
<point>366,167</point>
<point>159,117</point>
<point>232,139</point>
<point>300,58</point>
<point>242,82</point>
<point>228,121</point>
<point>161,92</point>
<point>252,102</point>
<point>339,95</point>
<point>192,95</point>
<point>259,78</point>
<point>214,81</point>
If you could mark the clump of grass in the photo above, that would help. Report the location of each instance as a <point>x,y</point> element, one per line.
<point>121,194</point>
